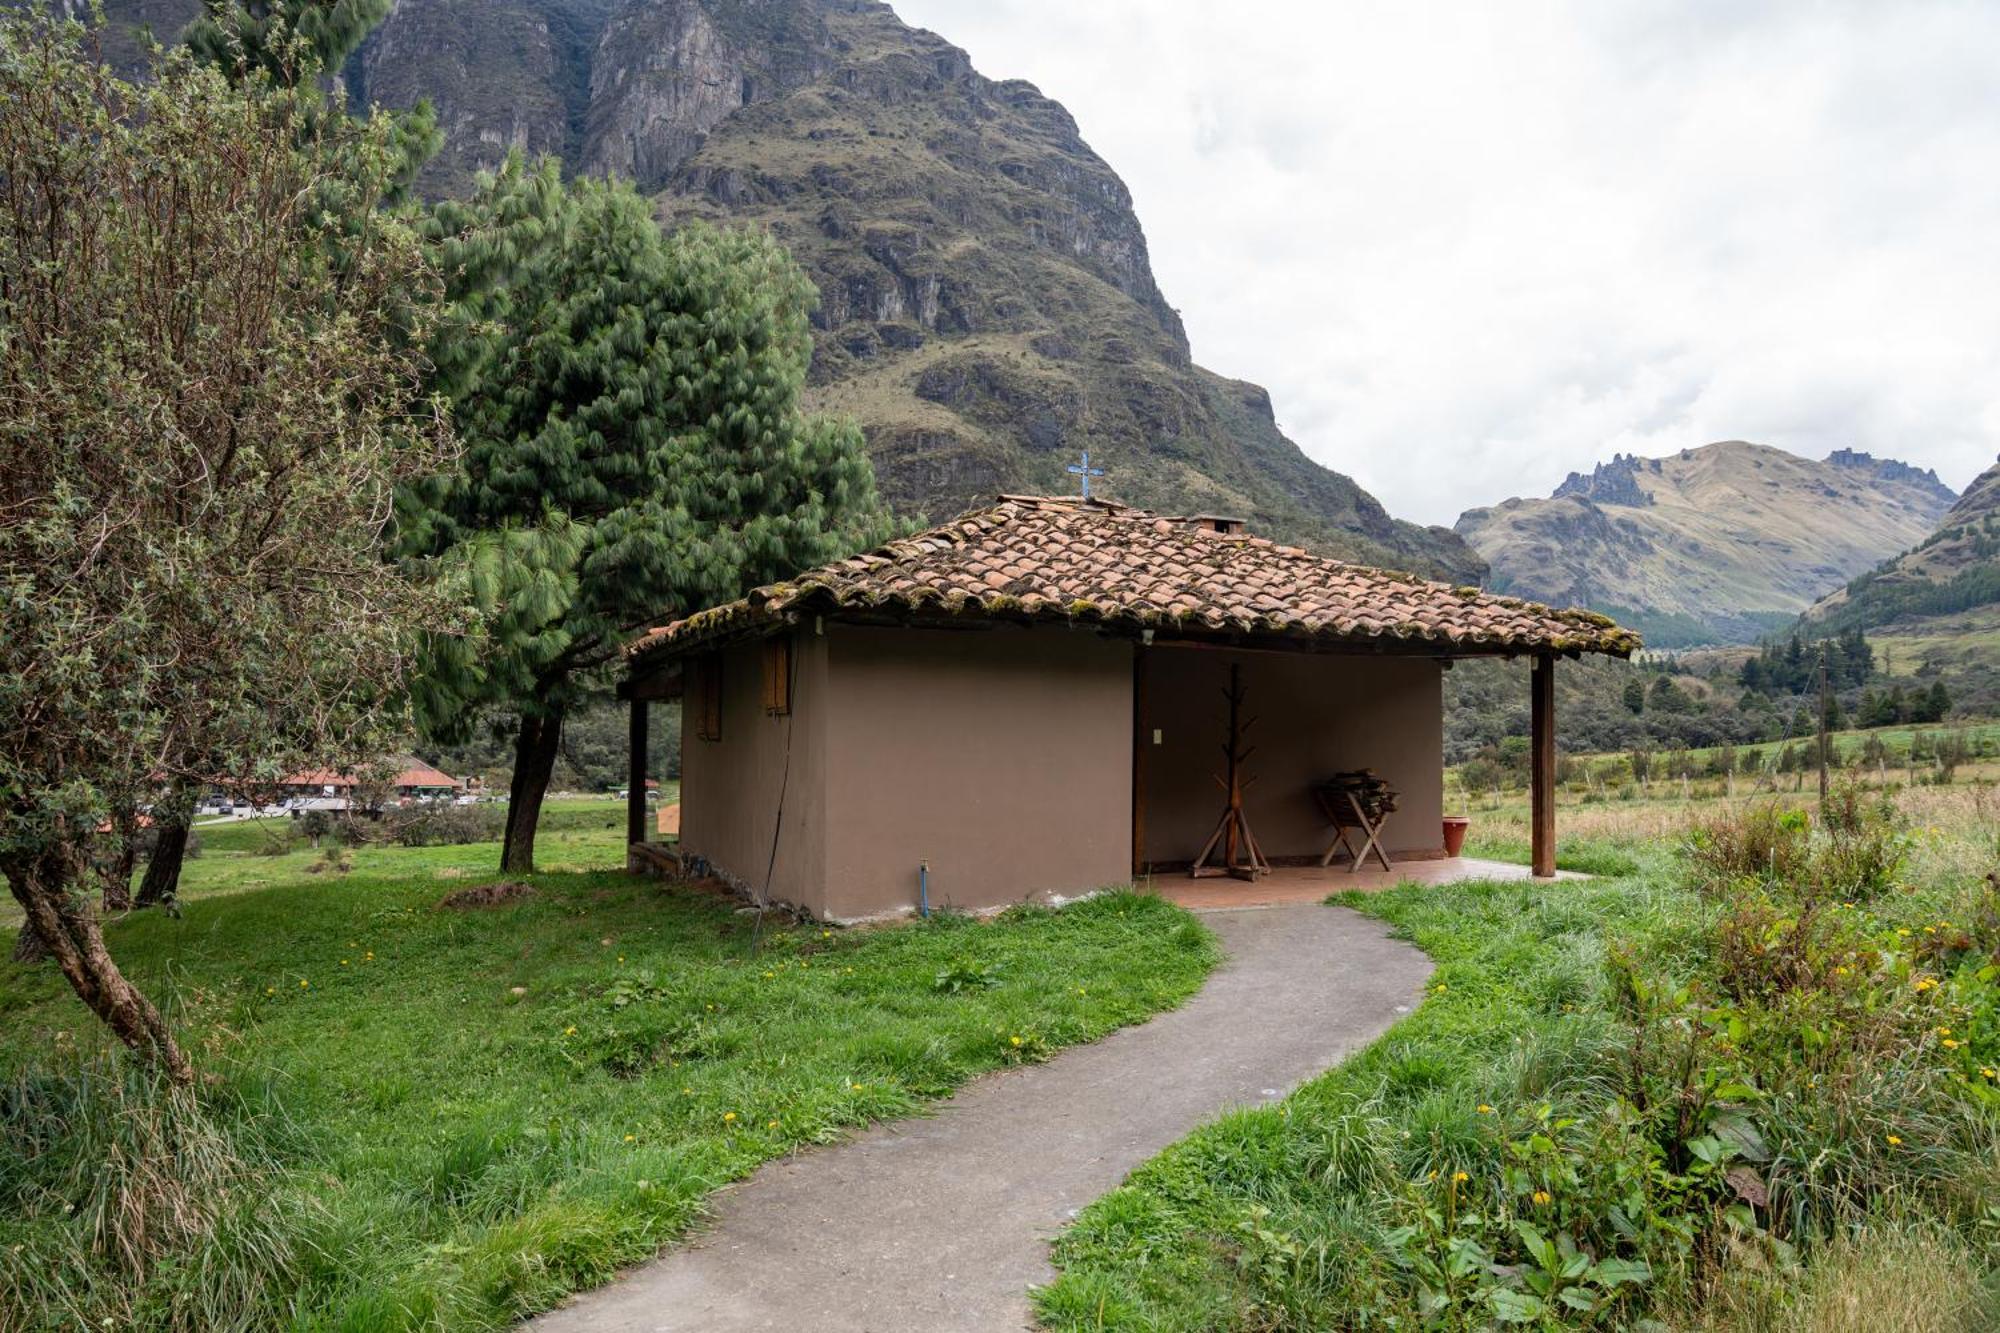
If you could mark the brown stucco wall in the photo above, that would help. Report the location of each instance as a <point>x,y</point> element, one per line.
<point>1003,757</point>
<point>730,788</point>
<point>1317,714</point>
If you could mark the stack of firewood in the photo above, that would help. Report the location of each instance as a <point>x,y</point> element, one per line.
<point>1376,797</point>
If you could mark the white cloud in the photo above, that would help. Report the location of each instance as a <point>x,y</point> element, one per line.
<point>1470,247</point>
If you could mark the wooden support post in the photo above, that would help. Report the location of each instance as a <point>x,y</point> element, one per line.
<point>1542,756</point>
<point>635,791</point>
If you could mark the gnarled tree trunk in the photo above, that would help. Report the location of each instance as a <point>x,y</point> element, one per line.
<point>118,860</point>
<point>28,946</point>
<point>45,886</point>
<point>163,867</point>
<point>535,749</point>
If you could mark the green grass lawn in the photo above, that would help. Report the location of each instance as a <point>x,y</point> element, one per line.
<point>430,1118</point>
<point>1592,1061</point>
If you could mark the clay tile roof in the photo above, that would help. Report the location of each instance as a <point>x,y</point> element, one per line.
<point>1097,562</point>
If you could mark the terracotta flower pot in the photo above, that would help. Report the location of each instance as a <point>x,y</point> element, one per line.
<point>1454,834</point>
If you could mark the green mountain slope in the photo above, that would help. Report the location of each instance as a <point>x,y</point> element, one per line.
<point>988,309</point>
<point>1951,573</point>
<point>1712,545</point>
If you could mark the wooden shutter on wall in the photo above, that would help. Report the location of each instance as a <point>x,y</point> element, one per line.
<point>778,675</point>
<point>708,697</point>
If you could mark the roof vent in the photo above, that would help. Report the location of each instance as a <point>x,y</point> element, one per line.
<point>1222,523</point>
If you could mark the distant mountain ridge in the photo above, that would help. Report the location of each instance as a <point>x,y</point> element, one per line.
<point>1718,544</point>
<point>1954,569</point>
<point>988,308</point>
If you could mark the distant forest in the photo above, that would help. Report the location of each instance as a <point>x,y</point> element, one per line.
<point>1705,700</point>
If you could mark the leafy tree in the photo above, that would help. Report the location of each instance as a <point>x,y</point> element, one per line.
<point>629,403</point>
<point>284,45</point>
<point>207,418</point>
<point>1635,696</point>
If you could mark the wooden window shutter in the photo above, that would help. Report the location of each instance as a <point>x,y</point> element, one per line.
<point>708,697</point>
<point>778,675</point>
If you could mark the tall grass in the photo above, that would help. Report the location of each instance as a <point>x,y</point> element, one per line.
<point>1732,1088</point>
<point>128,1200</point>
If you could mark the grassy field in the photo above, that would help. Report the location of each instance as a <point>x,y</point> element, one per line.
<point>576,833</point>
<point>418,1117</point>
<point>1744,1080</point>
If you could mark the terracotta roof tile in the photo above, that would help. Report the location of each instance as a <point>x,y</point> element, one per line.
<point>1094,562</point>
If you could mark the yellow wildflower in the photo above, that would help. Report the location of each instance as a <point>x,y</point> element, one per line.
<point>1459,1177</point>
<point>1484,1109</point>
<point>1540,1197</point>
<point>631,1138</point>
<point>1013,1041</point>
<point>728,1117</point>
<point>771,1125</point>
<point>1951,1043</point>
<point>570,1031</point>
<point>1894,1141</point>
<point>303,983</point>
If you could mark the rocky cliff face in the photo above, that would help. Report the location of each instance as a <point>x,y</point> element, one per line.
<point>1717,544</point>
<point>988,309</point>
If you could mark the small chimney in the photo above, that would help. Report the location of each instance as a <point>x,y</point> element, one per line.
<point>1220,523</point>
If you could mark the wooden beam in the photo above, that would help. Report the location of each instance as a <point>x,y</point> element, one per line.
<point>1542,760</point>
<point>635,791</point>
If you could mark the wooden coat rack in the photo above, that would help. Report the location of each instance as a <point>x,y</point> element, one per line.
<point>1241,856</point>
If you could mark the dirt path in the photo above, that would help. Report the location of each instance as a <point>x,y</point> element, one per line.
<point>943,1223</point>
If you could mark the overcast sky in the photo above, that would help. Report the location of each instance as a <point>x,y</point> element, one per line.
<point>1470,247</point>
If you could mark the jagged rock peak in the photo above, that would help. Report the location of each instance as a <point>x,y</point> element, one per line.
<point>1612,483</point>
<point>1887,469</point>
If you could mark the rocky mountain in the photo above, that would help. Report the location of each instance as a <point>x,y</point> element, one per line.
<point>988,310</point>
<point>1955,571</point>
<point>1712,545</point>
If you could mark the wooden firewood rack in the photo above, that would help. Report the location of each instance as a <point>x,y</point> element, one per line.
<point>1343,810</point>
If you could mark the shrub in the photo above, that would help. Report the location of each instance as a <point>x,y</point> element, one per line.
<point>1763,842</point>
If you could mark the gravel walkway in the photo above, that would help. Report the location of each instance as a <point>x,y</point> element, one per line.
<point>943,1223</point>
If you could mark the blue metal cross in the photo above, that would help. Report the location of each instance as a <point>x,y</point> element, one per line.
<point>1086,471</point>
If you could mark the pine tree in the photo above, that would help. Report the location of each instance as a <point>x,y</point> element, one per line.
<point>634,449</point>
<point>287,41</point>
<point>1635,696</point>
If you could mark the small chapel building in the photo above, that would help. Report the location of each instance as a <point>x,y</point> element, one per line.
<point>1033,701</point>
